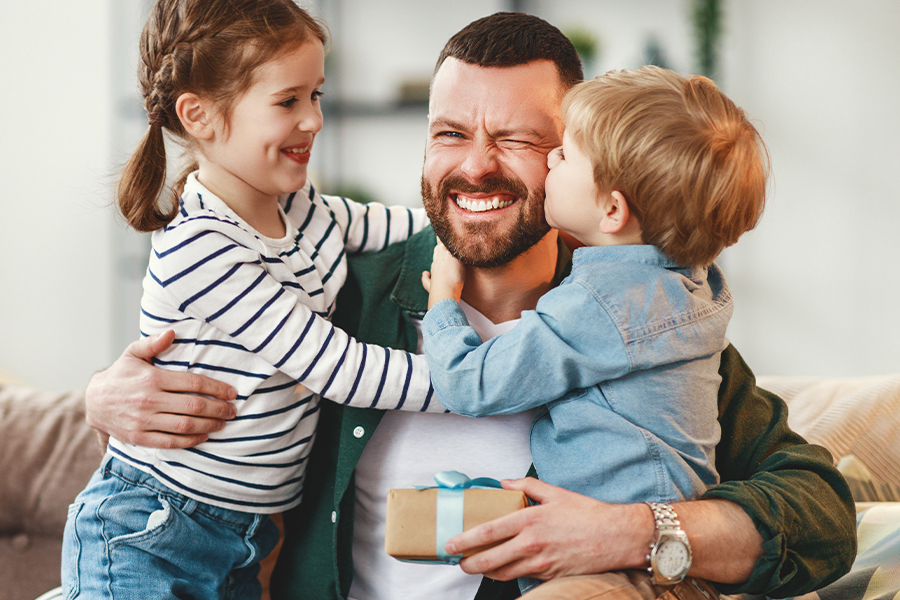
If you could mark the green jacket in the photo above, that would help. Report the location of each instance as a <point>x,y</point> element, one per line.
<point>800,504</point>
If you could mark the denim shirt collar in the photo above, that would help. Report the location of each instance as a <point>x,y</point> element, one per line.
<point>636,253</point>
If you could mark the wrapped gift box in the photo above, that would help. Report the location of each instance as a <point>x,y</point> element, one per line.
<point>411,527</point>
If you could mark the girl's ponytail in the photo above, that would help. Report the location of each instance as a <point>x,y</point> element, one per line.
<point>143,180</point>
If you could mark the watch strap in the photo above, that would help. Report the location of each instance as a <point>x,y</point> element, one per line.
<point>664,516</point>
<point>667,525</point>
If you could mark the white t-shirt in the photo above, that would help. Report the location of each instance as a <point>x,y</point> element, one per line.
<point>406,450</point>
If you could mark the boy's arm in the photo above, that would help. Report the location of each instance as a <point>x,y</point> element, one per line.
<point>548,354</point>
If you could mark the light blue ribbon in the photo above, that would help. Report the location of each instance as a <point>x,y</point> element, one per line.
<point>451,487</point>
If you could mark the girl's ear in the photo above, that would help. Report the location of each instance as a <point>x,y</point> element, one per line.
<point>615,213</point>
<point>191,111</point>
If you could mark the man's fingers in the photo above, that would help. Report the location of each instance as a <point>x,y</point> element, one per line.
<point>487,533</point>
<point>148,347</point>
<point>158,439</point>
<point>181,425</point>
<point>170,430</point>
<point>509,559</point>
<point>177,381</point>
<point>536,490</point>
<point>192,383</point>
<point>188,407</point>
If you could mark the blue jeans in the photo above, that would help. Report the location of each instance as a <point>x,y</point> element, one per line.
<point>129,536</point>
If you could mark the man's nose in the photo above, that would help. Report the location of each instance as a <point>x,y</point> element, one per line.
<point>481,161</point>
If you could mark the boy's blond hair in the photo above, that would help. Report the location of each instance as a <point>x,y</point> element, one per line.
<point>689,163</point>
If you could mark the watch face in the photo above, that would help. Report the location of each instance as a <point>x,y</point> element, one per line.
<point>672,558</point>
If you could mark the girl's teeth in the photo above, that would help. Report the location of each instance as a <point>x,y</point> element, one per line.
<point>481,205</point>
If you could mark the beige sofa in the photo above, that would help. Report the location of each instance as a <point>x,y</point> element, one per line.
<point>47,454</point>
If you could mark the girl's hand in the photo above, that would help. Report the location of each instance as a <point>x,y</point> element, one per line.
<point>446,278</point>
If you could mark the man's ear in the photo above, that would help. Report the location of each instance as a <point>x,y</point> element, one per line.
<point>615,213</point>
<point>192,112</point>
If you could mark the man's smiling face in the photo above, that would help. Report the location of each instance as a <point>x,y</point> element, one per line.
<point>490,129</point>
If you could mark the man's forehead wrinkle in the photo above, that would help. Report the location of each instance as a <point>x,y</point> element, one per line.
<point>449,123</point>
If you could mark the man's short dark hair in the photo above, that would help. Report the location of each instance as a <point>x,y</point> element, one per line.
<point>508,39</point>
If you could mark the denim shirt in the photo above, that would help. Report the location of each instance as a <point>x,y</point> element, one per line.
<point>623,358</point>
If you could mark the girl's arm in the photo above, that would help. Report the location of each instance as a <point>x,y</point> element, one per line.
<point>213,279</point>
<point>373,226</point>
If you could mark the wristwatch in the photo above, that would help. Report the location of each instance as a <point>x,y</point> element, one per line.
<point>670,554</point>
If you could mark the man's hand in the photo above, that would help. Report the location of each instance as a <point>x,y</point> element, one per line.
<point>565,534</point>
<point>145,405</point>
<point>571,534</point>
<point>446,278</point>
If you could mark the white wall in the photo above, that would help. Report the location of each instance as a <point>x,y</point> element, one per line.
<point>814,284</point>
<point>55,252</point>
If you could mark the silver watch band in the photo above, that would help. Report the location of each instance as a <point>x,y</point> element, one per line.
<point>664,515</point>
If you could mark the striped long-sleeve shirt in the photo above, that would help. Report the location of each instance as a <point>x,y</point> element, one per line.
<point>252,311</point>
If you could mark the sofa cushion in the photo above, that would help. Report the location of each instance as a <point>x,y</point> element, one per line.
<point>47,456</point>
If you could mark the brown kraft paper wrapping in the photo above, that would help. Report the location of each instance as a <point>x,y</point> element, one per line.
<point>411,515</point>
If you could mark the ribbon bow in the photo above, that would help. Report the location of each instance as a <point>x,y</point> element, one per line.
<point>451,487</point>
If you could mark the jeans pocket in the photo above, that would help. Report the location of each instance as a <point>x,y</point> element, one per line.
<point>71,552</point>
<point>156,524</point>
<point>260,540</point>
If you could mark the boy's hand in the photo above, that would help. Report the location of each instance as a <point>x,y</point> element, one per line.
<point>446,278</point>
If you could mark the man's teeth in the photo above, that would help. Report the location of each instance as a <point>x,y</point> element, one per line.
<point>482,205</point>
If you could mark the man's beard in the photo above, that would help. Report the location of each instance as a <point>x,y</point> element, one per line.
<point>480,244</point>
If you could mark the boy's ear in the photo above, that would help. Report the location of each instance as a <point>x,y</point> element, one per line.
<point>191,111</point>
<point>615,213</point>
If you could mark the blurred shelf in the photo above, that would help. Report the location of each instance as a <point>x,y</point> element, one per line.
<point>365,109</point>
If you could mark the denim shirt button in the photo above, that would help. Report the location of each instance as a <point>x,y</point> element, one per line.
<point>359,432</point>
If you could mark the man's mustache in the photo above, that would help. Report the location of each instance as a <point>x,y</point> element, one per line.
<point>458,183</point>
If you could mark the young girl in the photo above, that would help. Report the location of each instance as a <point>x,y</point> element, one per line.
<point>245,269</point>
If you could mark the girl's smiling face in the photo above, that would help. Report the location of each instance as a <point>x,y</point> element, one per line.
<point>263,148</point>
